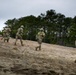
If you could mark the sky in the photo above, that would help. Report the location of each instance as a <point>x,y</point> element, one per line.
<point>10,9</point>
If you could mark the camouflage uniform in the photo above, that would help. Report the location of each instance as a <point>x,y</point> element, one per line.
<point>39,38</point>
<point>19,35</point>
<point>3,33</point>
<point>6,33</point>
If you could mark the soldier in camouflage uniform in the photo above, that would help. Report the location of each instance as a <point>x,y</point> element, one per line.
<point>6,33</point>
<point>3,33</point>
<point>19,34</point>
<point>39,38</point>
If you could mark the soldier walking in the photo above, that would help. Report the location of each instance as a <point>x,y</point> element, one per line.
<point>3,33</point>
<point>39,38</point>
<point>19,35</point>
<point>6,33</point>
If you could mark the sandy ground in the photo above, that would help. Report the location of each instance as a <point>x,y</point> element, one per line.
<point>25,60</point>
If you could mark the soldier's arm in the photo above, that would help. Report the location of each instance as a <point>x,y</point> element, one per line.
<point>37,35</point>
<point>22,31</point>
<point>43,34</point>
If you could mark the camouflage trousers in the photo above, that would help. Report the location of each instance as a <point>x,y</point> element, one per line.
<point>39,42</point>
<point>20,38</point>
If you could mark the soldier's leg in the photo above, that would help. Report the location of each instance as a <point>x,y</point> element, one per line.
<point>16,40</point>
<point>39,42</point>
<point>40,46</point>
<point>37,46</point>
<point>8,40</point>
<point>4,39</point>
<point>21,41</point>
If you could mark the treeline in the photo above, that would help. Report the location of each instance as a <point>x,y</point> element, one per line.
<point>58,28</point>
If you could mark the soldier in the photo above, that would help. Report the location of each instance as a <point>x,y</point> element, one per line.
<point>39,38</point>
<point>6,34</point>
<point>19,34</point>
<point>3,33</point>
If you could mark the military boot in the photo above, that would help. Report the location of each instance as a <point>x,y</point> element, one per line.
<point>36,48</point>
<point>7,40</point>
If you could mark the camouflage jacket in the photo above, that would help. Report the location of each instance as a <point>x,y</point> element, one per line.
<point>20,31</point>
<point>40,35</point>
<point>7,31</point>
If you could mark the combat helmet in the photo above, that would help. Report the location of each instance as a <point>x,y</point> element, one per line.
<point>41,29</point>
<point>22,26</point>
